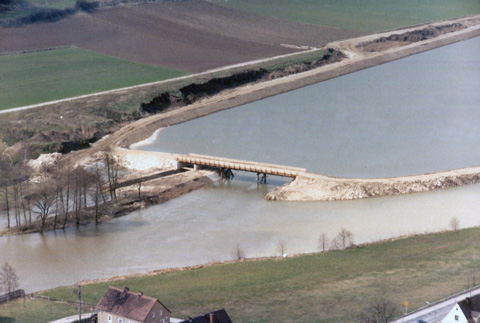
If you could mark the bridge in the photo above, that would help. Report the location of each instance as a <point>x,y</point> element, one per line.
<point>226,165</point>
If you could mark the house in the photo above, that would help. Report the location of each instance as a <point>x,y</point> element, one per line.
<point>466,311</point>
<point>123,306</point>
<point>218,316</point>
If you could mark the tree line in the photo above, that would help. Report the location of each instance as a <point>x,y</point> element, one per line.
<point>59,191</point>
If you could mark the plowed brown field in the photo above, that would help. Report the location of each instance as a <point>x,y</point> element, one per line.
<point>190,36</point>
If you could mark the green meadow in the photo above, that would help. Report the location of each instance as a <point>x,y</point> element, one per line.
<point>332,286</point>
<point>362,15</point>
<point>31,78</point>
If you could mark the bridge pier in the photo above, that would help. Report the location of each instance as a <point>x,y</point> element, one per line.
<point>226,174</point>
<point>261,178</point>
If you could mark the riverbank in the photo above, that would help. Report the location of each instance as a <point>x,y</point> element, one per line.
<point>330,286</point>
<point>312,187</point>
<point>356,59</point>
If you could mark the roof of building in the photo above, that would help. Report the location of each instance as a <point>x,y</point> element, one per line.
<point>218,316</point>
<point>124,303</point>
<point>470,307</point>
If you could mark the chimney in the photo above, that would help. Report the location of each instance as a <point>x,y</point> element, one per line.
<point>212,317</point>
<point>140,293</point>
<point>126,289</point>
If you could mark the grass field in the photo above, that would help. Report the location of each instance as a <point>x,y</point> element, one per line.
<point>31,78</point>
<point>360,15</point>
<point>324,287</point>
<point>37,310</point>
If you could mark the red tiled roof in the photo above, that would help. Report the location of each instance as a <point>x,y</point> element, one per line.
<point>127,304</point>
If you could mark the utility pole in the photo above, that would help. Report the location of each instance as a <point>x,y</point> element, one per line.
<point>79,292</point>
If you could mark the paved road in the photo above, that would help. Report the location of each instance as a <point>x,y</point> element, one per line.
<point>72,318</point>
<point>436,312</point>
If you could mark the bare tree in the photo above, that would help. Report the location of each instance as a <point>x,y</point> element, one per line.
<point>112,164</point>
<point>454,223</point>
<point>282,248</point>
<point>8,278</point>
<point>81,180</point>
<point>96,192</point>
<point>139,188</point>
<point>238,253</point>
<point>67,174</point>
<point>381,311</point>
<point>5,180</point>
<point>43,200</point>
<point>343,239</point>
<point>323,242</point>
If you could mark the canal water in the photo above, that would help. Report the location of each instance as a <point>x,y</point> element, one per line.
<point>415,115</point>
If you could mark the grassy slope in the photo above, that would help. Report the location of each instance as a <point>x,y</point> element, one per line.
<point>325,287</point>
<point>361,15</point>
<point>51,75</point>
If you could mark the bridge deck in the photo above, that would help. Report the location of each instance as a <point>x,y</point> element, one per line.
<point>243,165</point>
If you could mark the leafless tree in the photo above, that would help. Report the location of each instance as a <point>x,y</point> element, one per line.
<point>8,278</point>
<point>323,242</point>
<point>139,188</point>
<point>381,311</point>
<point>336,243</point>
<point>112,164</point>
<point>96,191</point>
<point>238,253</point>
<point>43,200</point>
<point>24,191</point>
<point>5,180</point>
<point>346,237</point>
<point>282,248</point>
<point>67,175</point>
<point>81,180</point>
<point>454,223</point>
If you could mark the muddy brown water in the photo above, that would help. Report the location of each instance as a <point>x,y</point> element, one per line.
<point>415,115</point>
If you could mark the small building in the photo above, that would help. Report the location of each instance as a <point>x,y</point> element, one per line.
<point>218,316</point>
<point>123,306</point>
<point>466,311</point>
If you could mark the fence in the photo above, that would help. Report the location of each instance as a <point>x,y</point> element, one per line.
<point>12,295</point>
<point>85,305</point>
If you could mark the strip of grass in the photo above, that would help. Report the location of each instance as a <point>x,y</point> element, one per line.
<point>360,15</point>
<point>324,287</point>
<point>31,78</point>
<point>56,4</point>
<point>38,310</point>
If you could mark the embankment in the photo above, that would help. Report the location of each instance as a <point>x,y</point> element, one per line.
<point>358,60</point>
<point>311,187</point>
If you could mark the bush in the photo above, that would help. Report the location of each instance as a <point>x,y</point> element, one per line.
<point>46,15</point>
<point>86,6</point>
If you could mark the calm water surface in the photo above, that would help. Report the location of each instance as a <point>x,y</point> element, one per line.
<point>415,115</point>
